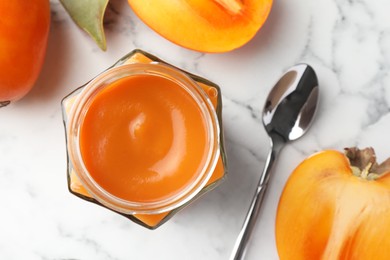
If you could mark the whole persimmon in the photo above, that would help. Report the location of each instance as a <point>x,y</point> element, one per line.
<point>24,29</point>
<point>336,206</point>
<point>204,25</point>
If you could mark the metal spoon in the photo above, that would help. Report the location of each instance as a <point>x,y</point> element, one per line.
<point>287,115</point>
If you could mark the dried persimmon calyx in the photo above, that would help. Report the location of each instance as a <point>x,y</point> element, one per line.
<point>363,163</point>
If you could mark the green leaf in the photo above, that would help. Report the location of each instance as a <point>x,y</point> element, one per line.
<point>88,15</point>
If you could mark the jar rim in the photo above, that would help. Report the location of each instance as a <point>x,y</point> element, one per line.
<point>77,114</point>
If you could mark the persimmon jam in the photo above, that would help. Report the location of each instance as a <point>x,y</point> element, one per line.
<point>144,138</point>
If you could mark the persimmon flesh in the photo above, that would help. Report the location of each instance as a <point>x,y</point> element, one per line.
<point>204,25</point>
<point>24,29</point>
<point>336,206</point>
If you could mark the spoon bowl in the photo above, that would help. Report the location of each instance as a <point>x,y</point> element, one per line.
<point>287,115</point>
<point>291,104</point>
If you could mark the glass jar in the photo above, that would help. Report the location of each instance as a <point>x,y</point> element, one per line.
<point>150,213</point>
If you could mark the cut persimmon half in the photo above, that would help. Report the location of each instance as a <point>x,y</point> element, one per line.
<point>336,206</point>
<point>204,25</point>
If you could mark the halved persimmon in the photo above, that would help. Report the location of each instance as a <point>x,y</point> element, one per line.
<point>204,25</point>
<point>336,206</point>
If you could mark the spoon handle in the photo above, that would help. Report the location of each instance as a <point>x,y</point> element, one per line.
<point>254,209</point>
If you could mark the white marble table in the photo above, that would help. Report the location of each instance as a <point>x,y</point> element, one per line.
<point>347,43</point>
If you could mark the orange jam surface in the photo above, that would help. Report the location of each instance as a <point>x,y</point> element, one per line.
<point>144,138</point>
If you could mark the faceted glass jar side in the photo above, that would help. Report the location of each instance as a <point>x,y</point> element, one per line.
<point>150,221</point>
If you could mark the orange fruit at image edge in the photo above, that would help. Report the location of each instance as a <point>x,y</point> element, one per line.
<point>24,30</point>
<point>336,206</point>
<point>204,25</point>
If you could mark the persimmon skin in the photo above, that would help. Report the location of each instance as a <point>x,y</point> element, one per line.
<point>204,25</point>
<point>24,29</point>
<point>325,212</point>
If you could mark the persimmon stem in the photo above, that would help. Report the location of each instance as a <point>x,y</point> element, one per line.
<point>366,171</point>
<point>363,163</point>
<point>4,103</point>
<point>233,6</point>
